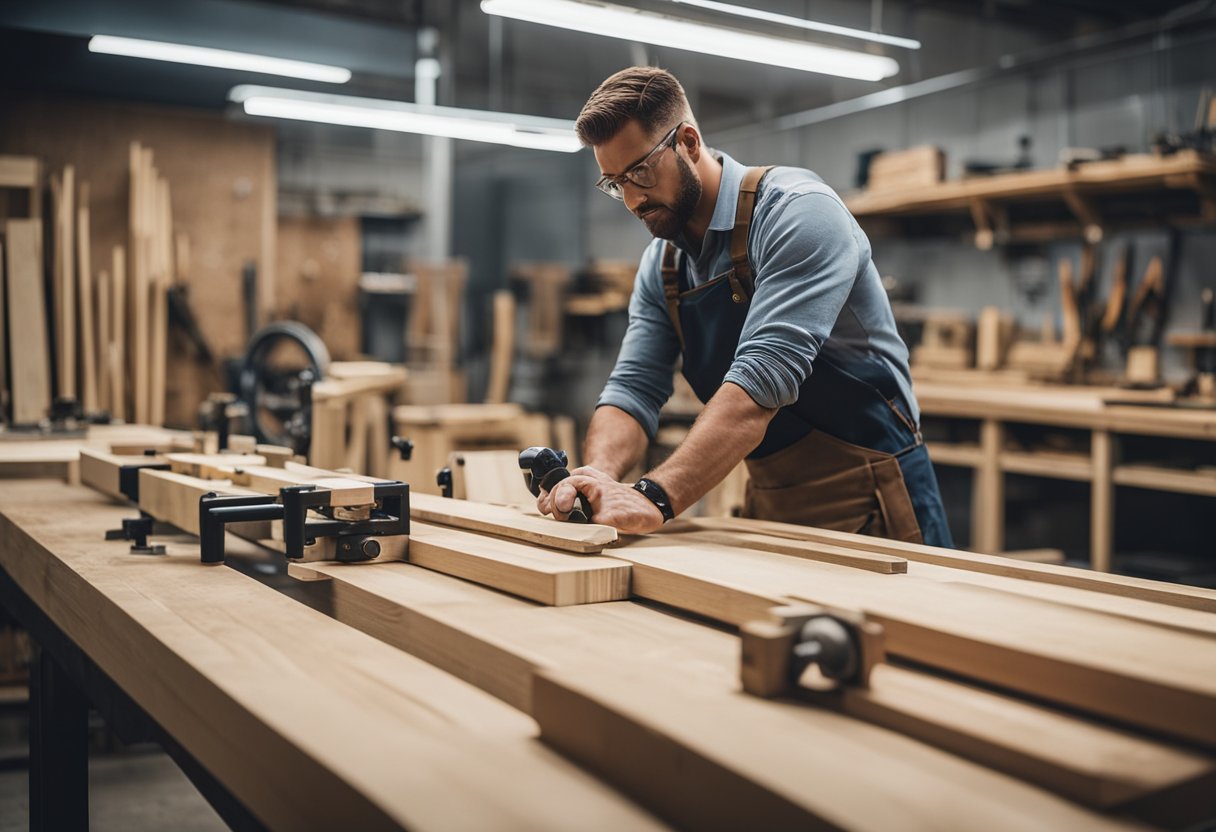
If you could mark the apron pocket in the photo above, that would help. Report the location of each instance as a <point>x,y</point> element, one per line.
<point>845,502</point>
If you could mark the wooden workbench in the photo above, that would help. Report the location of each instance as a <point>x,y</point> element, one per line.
<point>995,407</point>
<point>420,702</point>
<point>301,722</point>
<point>48,456</point>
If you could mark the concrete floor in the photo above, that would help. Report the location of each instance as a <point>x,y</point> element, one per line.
<point>139,789</point>
<point>128,792</point>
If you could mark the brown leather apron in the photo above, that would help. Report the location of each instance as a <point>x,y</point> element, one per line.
<point>819,480</point>
<point>827,482</point>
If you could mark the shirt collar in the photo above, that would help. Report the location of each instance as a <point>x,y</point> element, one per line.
<point>723,218</point>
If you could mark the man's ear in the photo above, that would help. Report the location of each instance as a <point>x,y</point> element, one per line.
<point>691,140</point>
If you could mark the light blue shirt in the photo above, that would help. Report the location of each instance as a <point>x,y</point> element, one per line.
<point>814,282</point>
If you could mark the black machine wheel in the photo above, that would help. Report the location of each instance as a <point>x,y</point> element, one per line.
<point>281,364</point>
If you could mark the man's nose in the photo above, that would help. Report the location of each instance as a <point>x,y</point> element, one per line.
<point>633,195</point>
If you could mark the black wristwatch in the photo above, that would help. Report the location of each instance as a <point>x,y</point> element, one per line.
<point>655,493</point>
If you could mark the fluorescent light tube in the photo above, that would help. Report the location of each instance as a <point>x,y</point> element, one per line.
<point>204,56</point>
<point>662,30</point>
<point>471,125</point>
<point>801,23</point>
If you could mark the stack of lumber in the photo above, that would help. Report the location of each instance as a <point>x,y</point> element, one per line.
<point>102,341</point>
<point>1014,695</point>
<point>899,170</point>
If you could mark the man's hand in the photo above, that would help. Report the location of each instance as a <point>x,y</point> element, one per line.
<point>612,503</point>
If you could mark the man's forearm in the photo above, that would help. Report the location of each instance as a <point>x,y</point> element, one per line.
<point>615,442</point>
<point>728,429</point>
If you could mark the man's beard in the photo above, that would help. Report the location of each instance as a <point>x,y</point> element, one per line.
<point>666,222</point>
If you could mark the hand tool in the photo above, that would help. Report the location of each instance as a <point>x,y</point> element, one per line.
<point>544,468</point>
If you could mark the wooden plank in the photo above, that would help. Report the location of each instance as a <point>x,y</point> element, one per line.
<point>713,759</point>
<point>554,578</point>
<point>4,391</point>
<point>117,353</point>
<point>173,498</point>
<point>31,382</point>
<point>1085,761</point>
<point>159,302</point>
<point>1149,612</point>
<point>1108,666</point>
<point>139,252</point>
<point>505,522</point>
<point>67,286</point>
<point>101,347</point>
<point>499,644</point>
<point>88,346</point>
<point>413,747</point>
<point>19,172</point>
<point>1102,502</point>
<point>1196,598</point>
<point>488,477</point>
<point>502,350</point>
<point>824,553</point>
<point>99,470</point>
<point>212,466</point>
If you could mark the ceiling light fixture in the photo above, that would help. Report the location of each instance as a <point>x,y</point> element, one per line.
<point>180,53</point>
<point>530,132</point>
<point>626,23</point>
<point>801,23</point>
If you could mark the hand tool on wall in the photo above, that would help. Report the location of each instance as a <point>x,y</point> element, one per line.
<point>777,652</point>
<point>543,469</point>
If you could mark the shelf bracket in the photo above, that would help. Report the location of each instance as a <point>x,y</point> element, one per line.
<point>1086,214</point>
<point>991,223</point>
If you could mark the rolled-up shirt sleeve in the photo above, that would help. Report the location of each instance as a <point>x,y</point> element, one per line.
<point>641,381</point>
<point>809,256</point>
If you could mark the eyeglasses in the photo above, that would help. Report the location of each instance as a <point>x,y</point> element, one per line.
<point>641,173</point>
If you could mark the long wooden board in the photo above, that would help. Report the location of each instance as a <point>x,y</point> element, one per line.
<point>84,294</point>
<point>309,723</point>
<point>548,577</point>
<point>716,759</point>
<point>506,522</point>
<point>1143,675</point>
<point>499,643</point>
<point>31,382</point>
<point>1163,615</point>
<point>824,553</point>
<point>173,498</point>
<point>1196,598</point>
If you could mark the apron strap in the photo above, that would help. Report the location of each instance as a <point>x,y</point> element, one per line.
<point>742,278</point>
<point>671,287</point>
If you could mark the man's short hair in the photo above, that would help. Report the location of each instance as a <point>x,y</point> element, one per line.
<point>651,96</point>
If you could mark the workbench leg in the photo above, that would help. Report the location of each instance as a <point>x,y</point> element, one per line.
<point>59,753</point>
<point>1102,502</point>
<point>988,524</point>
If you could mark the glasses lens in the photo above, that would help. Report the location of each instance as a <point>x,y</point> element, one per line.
<point>643,176</point>
<point>610,187</point>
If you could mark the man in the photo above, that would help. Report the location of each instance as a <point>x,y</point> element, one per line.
<point>761,281</point>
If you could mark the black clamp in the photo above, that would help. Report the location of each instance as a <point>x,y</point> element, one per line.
<point>137,529</point>
<point>389,516</point>
<point>403,446</point>
<point>443,478</point>
<point>543,469</point>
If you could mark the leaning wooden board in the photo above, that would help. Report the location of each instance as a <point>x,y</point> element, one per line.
<point>500,644</point>
<point>308,722</point>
